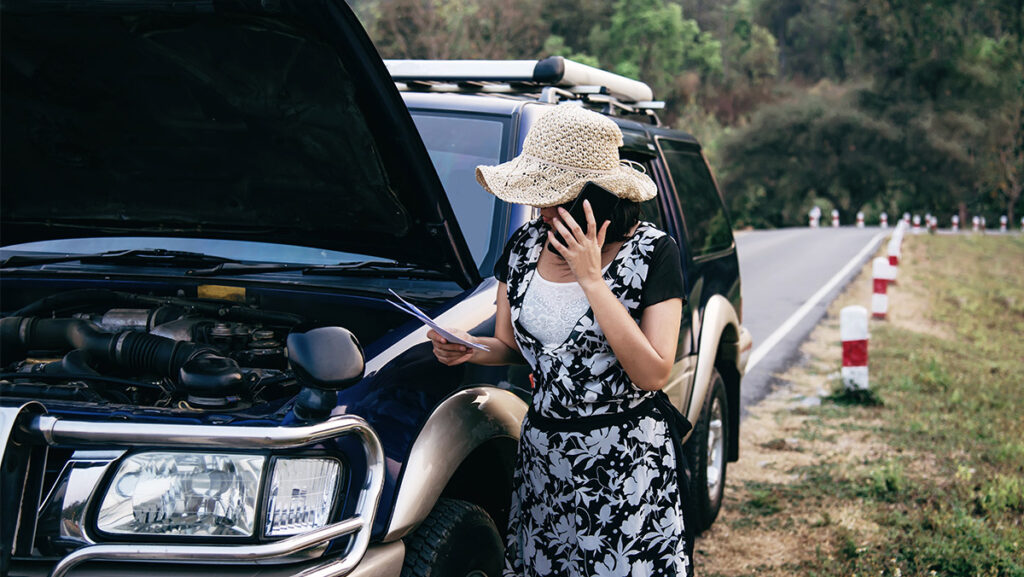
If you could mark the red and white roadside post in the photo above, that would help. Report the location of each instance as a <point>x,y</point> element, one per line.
<point>886,271</point>
<point>956,223</point>
<point>917,224</point>
<point>860,219</point>
<point>894,248</point>
<point>933,226</point>
<point>853,329</point>
<point>894,259</point>
<point>881,276</point>
<point>883,220</point>
<point>1002,223</point>
<point>906,218</point>
<point>835,218</point>
<point>975,224</point>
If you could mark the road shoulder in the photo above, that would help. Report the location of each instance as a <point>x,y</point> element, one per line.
<point>839,489</point>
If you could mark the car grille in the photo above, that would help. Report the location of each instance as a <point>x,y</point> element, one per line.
<point>28,473</point>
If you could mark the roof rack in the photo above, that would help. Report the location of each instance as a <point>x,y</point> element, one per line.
<point>555,78</point>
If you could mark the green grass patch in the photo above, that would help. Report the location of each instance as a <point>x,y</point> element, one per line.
<point>946,498</point>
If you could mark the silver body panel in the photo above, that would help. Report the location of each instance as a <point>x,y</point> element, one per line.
<point>459,425</point>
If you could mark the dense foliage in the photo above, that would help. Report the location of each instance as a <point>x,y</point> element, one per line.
<point>858,105</point>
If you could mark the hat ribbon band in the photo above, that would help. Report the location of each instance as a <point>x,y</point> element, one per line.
<point>567,167</point>
<point>634,165</point>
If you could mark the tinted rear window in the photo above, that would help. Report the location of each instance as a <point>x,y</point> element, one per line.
<point>707,226</point>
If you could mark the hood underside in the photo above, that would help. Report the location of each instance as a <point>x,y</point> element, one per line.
<point>214,120</point>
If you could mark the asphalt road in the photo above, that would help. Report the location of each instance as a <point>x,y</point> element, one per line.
<point>789,278</point>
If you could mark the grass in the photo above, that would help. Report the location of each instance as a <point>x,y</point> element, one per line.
<point>941,491</point>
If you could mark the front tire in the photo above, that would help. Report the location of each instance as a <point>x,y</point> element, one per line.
<point>706,454</point>
<point>457,539</point>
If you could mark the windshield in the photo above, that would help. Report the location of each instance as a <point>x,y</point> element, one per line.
<point>457,144</point>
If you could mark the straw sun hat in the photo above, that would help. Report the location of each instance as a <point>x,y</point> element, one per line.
<point>567,147</point>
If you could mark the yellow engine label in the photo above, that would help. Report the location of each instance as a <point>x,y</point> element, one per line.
<point>228,293</point>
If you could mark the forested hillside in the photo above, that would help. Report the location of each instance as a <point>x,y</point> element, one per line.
<point>872,105</point>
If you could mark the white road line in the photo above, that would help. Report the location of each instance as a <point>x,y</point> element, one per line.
<point>780,333</point>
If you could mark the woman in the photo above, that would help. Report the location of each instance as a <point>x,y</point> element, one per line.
<point>595,311</point>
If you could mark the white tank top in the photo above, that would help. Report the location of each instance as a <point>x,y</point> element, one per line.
<point>551,309</point>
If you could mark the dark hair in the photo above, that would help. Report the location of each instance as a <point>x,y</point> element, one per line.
<point>623,218</point>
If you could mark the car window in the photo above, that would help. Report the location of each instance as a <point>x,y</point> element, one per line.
<point>707,227</point>
<point>457,144</point>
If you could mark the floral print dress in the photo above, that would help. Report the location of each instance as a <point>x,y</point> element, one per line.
<point>596,490</point>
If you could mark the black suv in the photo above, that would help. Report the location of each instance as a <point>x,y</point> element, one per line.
<point>205,206</point>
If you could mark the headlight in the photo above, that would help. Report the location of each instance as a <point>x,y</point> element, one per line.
<point>211,494</point>
<point>301,495</point>
<point>183,494</point>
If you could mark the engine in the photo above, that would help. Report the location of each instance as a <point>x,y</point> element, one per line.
<point>174,352</point>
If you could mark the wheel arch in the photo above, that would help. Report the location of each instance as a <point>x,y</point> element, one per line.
<point>473,432</point>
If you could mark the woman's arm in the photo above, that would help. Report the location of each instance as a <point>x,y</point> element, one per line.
<point>504,350</point>
<point>645,351</point>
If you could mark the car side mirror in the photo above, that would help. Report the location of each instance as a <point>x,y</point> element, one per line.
<point>325,360</point>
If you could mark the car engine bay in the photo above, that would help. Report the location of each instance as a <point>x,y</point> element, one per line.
<point>108,347</point>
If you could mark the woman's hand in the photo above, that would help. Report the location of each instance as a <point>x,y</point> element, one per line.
<point>451,353</point>
<point>503,348</point>
<point>582,250</point>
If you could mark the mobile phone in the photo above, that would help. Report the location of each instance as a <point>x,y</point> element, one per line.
<point>602,203</point>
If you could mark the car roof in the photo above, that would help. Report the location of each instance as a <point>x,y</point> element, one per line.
<point>489,104</point>
<point>507,105</point>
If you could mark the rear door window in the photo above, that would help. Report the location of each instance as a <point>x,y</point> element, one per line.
<point>707,226</point>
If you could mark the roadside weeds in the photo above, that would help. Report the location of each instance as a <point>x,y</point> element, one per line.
<point>930,481</point>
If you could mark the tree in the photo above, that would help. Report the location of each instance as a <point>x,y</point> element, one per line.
<point>947,72</point>
<point>814,40</point>
<point>453,29</point>
<point>815,147</point>
<point>573,20</point>
<point>650,40</point>
<point>749,67</point>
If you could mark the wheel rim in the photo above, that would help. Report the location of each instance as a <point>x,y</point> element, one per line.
<point>716,450</point>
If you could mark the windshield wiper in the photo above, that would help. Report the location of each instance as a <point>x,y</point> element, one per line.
<point>355,269</point>
<point>146,256</point>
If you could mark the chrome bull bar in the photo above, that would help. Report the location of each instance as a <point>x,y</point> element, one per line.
<point>57,431</point>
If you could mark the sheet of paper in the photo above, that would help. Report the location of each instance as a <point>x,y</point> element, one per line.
<point>413,310</point>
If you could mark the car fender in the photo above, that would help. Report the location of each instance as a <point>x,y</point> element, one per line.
<point>456,427</point>
<point>720,319</point>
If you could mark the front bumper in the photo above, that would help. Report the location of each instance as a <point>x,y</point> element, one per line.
<point>35,428</point>
<point>379,561</point>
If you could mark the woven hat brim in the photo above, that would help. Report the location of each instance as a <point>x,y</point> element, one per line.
<point>534,182</point>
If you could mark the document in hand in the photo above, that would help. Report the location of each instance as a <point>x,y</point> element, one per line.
<point>413,310</point>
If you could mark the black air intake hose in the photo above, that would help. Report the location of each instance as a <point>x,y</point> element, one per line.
<point>79,299</point>
<point>128,349</point>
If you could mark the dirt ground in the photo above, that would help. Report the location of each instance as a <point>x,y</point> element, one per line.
<point>776,438</point>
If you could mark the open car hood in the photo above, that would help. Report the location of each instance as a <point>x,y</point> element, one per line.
<point>267,121</point>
